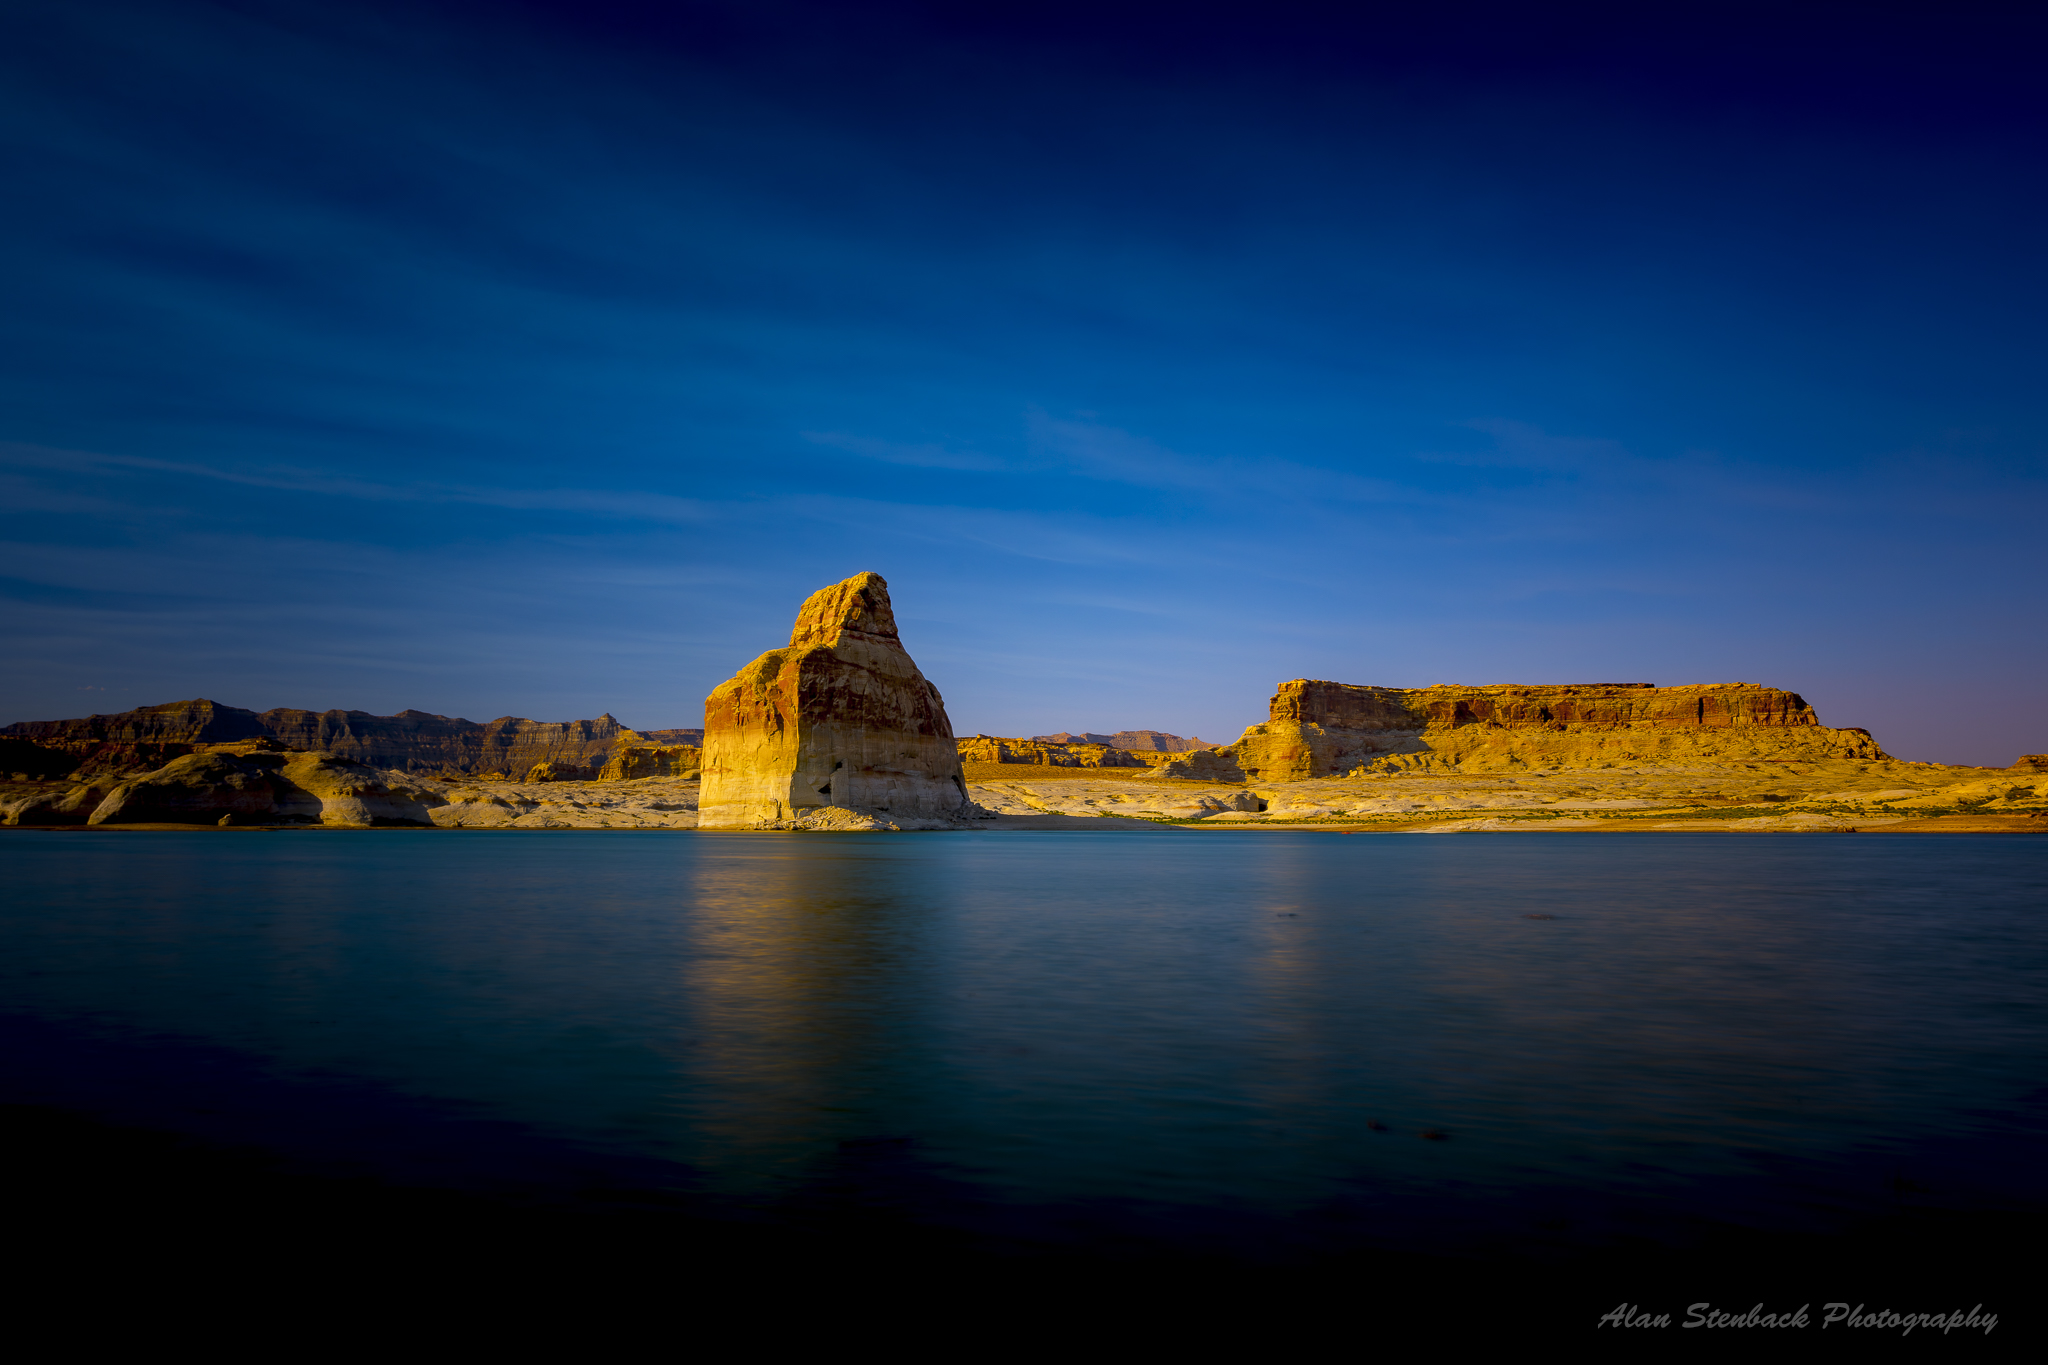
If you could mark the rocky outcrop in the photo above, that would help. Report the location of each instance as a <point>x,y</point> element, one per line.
<point>993,749</point>
<point>261,782</point>
<point>1204,765</point>
<point>68,806</point>
<point>630,762</point>
<point>840,717</point>
<point>411,741</point>
<point>1155,741</point>
<point>559,772</point>
<point>2037,763</point>
<point>1319,728</point>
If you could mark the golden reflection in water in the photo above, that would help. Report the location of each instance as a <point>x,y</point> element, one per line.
<point>1287,973</point>
<point>803,984</point>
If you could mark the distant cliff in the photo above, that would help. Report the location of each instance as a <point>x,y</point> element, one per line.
<point>1053,754</point>
<point>1155,741</point>
<point>1317,728</point>
<point>411,741</point>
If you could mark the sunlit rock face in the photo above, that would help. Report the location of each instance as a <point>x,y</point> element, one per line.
<point>995,749</point>
<point>1319,728</point>
<point>840,717</point>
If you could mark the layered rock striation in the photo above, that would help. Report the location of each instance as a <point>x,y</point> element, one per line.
<point>411,741</point>
<point>1319,728</point>
<point>1154,741</point>
<point>1045,753</point>
<point>839,720</point>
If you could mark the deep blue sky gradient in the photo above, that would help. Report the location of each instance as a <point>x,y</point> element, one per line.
<point>518,359</point>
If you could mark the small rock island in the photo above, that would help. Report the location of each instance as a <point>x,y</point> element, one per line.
<point>836,730</point>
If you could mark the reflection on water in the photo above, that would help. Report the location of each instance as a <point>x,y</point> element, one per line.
<point>806,978</point>
<point>1192,1034</point>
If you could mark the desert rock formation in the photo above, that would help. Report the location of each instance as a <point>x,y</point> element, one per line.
<point>1766,796</point>
<point>1055,754</point>
<point>839,719</point>
<point>260,782</point>
<point>411,741</point>
<point>1155,741</point>
<point>629,762</point>
<point>559,772</point>
<point>1319,728</point>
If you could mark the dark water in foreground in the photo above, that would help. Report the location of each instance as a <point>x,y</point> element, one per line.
<point>1232,1043</point>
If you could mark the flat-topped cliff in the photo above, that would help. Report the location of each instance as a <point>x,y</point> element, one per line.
<point>1317,728</point>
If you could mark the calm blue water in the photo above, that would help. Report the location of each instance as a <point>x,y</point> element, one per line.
<point>1146,1034</point>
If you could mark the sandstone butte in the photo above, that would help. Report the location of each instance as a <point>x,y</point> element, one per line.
<point>1320,729</point>
<point>837,729</point>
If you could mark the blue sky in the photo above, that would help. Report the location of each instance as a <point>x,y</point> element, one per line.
<point>525,360</point>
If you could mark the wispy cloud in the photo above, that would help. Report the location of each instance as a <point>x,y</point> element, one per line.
<point>625,504</point>
<point>892,452</point>
<point>1113,455</point>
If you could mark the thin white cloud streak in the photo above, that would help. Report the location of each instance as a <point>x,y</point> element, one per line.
<point>629,505</point>
<point>1112,455</point>
<point>891,452</point>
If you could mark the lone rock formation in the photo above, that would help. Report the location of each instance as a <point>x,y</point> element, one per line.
<point>837,730</point>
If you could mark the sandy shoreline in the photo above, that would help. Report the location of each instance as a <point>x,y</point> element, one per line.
<point>1756,798</point>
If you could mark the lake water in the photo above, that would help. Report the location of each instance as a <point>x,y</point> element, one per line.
<point>1234,1042</point>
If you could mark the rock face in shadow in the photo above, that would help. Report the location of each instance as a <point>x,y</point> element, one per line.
<point>411,741</point>
<point>838,718</point>
<point>1320,728</point>
<point>261,783</point>
<point>20,758</point>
